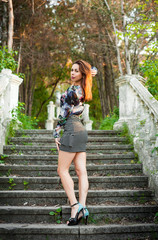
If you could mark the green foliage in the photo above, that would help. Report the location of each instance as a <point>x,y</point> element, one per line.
<point>3,156</point>
<point>108,122</point>
<point>9,172</point>
<point>155,149</point>
<point>56,214</point>
<point>7,59</point>
<point>11,183</point>
<point>53,150</point>
<point>125,133</point>
<point>149,70</point>
<point>20,120</point>
<point>95,107</point>
<point>25,185</point>
<point>41,94</point>
<point>156,218</point>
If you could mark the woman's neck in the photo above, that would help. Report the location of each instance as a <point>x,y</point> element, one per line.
<point>78,83</point>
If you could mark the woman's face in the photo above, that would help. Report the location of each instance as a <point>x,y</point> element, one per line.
<point>76,75</point>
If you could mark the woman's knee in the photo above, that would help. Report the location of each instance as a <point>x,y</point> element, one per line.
<point>81,172</point>
<point>58,171</point>
<point>61,171</point>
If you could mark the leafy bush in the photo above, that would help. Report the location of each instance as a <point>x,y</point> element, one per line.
<point>20,120</point>
<point>149,70</point>
<point>7,59</point>
<point>109,120</point>
<point>96,123</point>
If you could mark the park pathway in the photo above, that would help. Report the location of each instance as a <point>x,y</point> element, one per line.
<point>33,203</point>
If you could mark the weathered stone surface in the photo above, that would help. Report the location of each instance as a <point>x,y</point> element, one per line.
<point>44,132</point>
<point>51,170</point>
<point>129,205</point>
<point>43,183</point>
<point>51,150</point>
<point>44,197</point>
<point>139,110</point>
<point>99,158</point>
<point>60,232</point>
<point>26,214</point>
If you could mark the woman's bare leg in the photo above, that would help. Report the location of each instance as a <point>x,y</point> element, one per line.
<point>80,167</point>
<point>64,162</point>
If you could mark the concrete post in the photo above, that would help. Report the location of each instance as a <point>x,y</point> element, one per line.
<point>9,93</point>
<point>51,116</point>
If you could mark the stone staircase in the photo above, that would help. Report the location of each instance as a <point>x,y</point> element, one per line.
<point>33,203</point>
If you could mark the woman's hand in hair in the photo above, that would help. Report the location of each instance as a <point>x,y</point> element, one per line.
<point>93,72</point>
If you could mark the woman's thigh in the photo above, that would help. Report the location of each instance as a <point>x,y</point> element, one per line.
<point>65,160</point>
<point>80,162</point>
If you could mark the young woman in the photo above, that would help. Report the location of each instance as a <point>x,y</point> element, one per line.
<point>72,145</point>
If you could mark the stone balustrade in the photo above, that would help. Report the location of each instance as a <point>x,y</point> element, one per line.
<point>139,110</point>
<point>53,113</point>
<point>9,92</point>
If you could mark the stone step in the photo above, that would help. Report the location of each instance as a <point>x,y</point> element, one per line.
<point>51,170</point>
<point>135,231</point>
<point>51,150</point>
<point>110,214</point>
<point>44,197</point>
<point>95,183</point>
<point>99,158</point>
<point>49,133</point>
<point>39,141</point>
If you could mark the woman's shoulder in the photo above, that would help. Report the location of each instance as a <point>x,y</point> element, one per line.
<point>75,88</point>
<point>72,93</point>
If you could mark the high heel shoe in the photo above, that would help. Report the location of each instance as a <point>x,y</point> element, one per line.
<point>75,220</point>
<point>86,215</point>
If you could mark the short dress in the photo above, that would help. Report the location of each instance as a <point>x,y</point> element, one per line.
<point>75,136</point>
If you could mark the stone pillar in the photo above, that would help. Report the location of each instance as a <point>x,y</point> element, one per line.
<point>51,116</point>
<point>128,105</point>
<point>57,112</point>
<point>85,116</point>
<point>9,93</point>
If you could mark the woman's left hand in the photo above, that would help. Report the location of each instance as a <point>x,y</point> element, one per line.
<point>93,72</point>
<point>57,141</point>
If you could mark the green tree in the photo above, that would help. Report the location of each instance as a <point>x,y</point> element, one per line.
<point>149,71</point>
<point>7,59</point>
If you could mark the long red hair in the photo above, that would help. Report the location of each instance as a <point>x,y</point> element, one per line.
<point>86,81</point>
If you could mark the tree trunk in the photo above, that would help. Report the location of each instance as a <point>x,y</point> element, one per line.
<point>113,86</point>
<point>26,89</point>
<point>11,26</point>
<point>116,39</point>
<point>30,91</point>
<point>33,7</point>
<point>19,57</point>
<point>127,53</point>
<point>3,22</point>
<point>42,104</point>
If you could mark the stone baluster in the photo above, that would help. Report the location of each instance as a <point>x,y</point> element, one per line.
<point>85,117</point>
<point>9,93</point>
<point>51,116</point>
<point>54,111</point>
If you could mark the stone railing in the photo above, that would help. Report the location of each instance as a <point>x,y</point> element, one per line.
<point>139,110</point>
<point>9,91</point>
<point>53,113</point>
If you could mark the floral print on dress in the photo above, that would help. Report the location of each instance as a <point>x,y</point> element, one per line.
<point>71,103</point>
